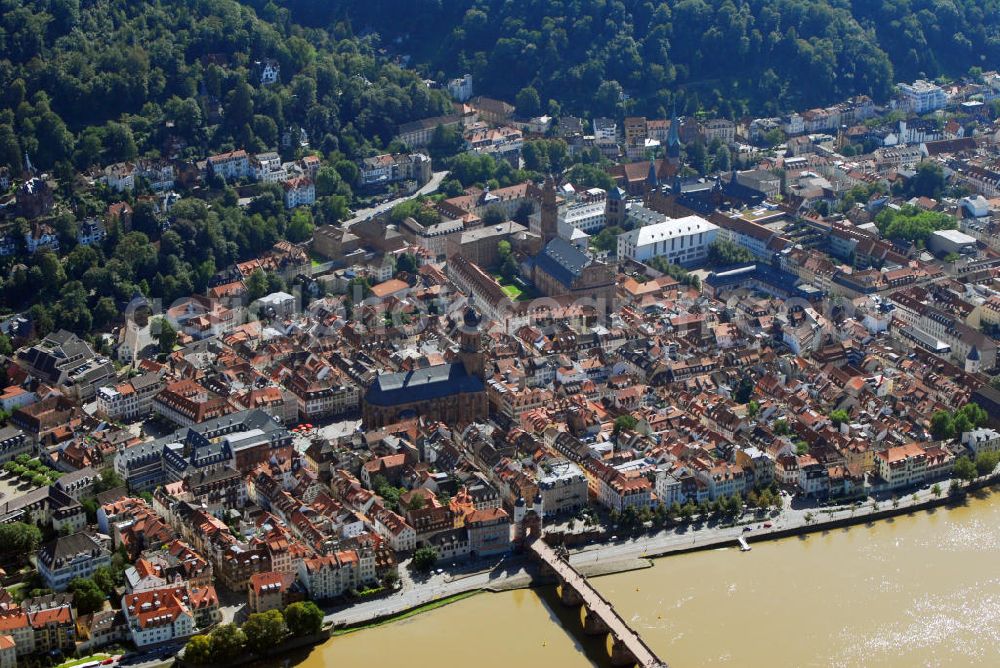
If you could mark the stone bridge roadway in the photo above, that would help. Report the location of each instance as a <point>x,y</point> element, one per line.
<point>628,648</point>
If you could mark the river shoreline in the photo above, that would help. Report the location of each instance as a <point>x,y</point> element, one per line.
<point>638,553</point>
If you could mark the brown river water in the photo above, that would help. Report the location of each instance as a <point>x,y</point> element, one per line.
<point>917,590</point>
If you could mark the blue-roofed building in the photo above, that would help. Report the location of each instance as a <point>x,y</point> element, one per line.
<point>240,440</point>
<point>563,269</point>
<point>759,277</point>
<point>454,393</point>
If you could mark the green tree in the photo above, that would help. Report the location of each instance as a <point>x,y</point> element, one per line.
<point>493,215</point>
<point>607,239</point>
<point>264,631</point>
<point>19,538</point>
<point>910,223</point>
<point>697,156</point>
<point>986,462</point>
<point>228,642</point>
<point>87,596</point>
<point>119,143</point>
<point>974,414</point>
<point>774,137</point>
<point>724,252</point>
<point>965,469</point>
<point>198,650</point>
<point>508,268</point>
<point>416,209</point>
<point>744,389</point>
<point>327,180</point>
<point>929,181</point>
<point>528,103</point>
<point>607,98</point>
<point>166,335</point>
<point>839,417</point>
<point>304,618</point>
<point>108,479</point>
<point>424,559</point>
<point>300,227</point>
<point>256,284</point>
<point>624,423</point>
<point>722,159</point>
<point>445,142</point>
<point>942,426</point>
<point>407,262</point>
<point>590,176</point>
<point>104,577</point>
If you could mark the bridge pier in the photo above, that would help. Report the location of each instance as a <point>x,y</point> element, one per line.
<point>569,596</point>
<point>621,655</point>
<point>600,617</point>
<point>594,624</point>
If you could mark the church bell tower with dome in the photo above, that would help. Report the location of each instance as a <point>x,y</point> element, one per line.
<point>470,344</point>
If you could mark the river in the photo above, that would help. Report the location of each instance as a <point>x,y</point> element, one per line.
<point>917,590</point>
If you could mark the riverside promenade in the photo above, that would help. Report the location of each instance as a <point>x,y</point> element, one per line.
<point>629,554</point>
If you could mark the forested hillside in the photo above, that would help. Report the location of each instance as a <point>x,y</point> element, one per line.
<point>89,82</point>
<point>754,55</point>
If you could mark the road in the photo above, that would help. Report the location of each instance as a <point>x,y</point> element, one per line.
<point>513,572</point>
<point>428,188</point>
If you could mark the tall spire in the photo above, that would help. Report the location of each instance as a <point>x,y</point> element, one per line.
<point>674,138</point>
<point>652,180</point>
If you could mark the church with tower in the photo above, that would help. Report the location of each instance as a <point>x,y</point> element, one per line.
<point>453,392</point>
<point>560,268</point>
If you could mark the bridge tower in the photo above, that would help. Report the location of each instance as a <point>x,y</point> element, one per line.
<point>527,520</point>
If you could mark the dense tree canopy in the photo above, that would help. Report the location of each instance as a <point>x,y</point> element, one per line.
<point>912,224</point>
<point>303,618</point>
<point>97,81</point>
<point>728,54</point>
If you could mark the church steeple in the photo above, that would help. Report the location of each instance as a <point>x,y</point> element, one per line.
<point>652,180</point>
<point>470,343</point>
<point>674,139</point>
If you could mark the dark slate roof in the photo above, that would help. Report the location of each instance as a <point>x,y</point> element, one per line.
<point>562,261</point>
<point>471,318</point>
<point>67,548</point>
<point>433,382</point>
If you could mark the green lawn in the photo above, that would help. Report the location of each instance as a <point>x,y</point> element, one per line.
<point>512,291</point>
<point>86,659</point>
<point>515,292</point>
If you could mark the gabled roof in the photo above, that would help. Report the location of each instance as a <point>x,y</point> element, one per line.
<point>562,261</point>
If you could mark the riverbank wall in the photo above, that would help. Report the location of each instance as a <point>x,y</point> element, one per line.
<point>289,645</point>
<point>613,564</point>
<point>906,507</point>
